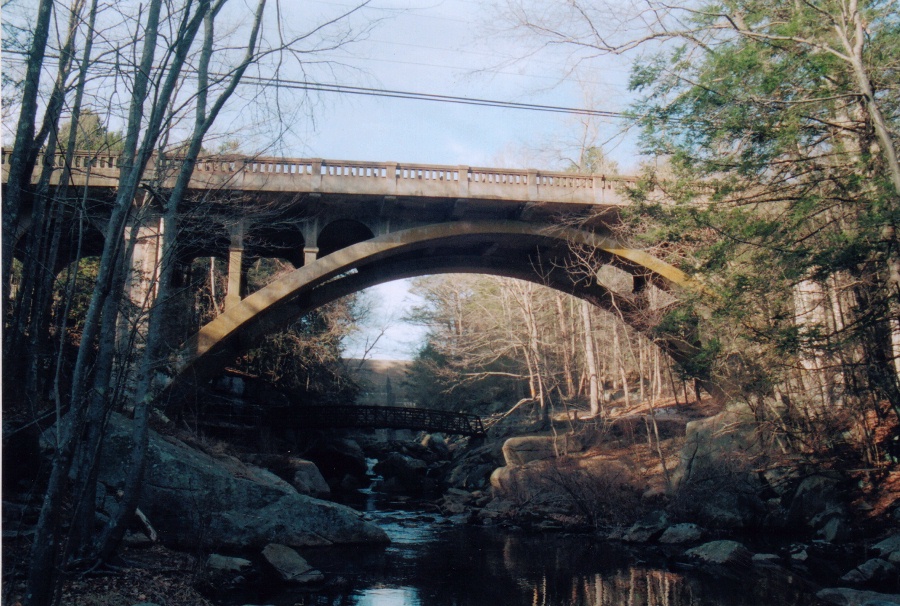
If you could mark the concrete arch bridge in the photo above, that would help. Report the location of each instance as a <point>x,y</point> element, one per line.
<point>346,226</point>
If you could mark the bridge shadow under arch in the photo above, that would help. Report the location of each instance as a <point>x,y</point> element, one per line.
<point>537,253</point>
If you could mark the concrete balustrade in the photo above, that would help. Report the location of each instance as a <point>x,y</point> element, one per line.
<point>362,178</point>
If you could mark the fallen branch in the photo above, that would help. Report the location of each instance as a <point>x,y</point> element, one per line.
<point>148,528</point>
<point>521,402</point>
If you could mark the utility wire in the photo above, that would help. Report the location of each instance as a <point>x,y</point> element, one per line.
<point>308,85</point>
<point>416,96</point>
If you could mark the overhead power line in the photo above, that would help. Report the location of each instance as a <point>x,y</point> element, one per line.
<point>399,94</point>
<point>344,89</point>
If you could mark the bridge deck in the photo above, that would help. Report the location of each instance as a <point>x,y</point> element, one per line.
<point>386,417</point>
<point>342,177</point>
<point>344,417</point>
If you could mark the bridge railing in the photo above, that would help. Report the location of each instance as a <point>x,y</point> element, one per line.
<point>244,173</point>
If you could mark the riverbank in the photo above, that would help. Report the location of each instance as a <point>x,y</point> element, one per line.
<point>617,486</point>
<point>433,560</point>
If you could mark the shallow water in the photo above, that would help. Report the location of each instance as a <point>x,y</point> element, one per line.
<point>431,562</point>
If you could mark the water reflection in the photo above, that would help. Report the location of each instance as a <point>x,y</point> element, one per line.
<point>433,565</point>
<point>386,596</point>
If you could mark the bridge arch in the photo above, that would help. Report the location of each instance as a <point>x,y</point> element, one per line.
<point>505,248</point>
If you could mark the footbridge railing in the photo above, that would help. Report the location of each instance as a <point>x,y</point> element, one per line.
<point>388,417</point>
<point>383,417</point>
<point>252,418</point>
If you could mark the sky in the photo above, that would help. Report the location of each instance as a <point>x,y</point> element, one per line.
<point>454,48</point>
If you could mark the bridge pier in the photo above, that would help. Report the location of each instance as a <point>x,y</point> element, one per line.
<point>310,231</point>
<point>141,284</point>
<point>234,291</point>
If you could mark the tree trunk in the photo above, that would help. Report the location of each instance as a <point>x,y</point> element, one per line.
<point>22,158</point>
<point>590,359</point>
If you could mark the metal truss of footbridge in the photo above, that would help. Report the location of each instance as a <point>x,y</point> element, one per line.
<point>386,417</point>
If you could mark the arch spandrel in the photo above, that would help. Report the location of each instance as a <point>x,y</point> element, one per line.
<point>498,248</point>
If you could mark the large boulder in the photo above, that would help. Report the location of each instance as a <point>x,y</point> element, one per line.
<point>404,474</point>
<point>681,533</point>
<point>195,500</point>
<point>308,480</point>
<point>648,528</point>
<point>889,548</point>
<point>724,553</point>
<point>338,458</point>
<point>717,480</point>
<point>820,503</point>
<point>713,440</point>
<point>594,485</point>
<point>300,473</point>
<point>874,571</point>
<point>524,449</point>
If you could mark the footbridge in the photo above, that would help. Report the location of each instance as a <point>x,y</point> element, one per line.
<point>333,416</point>
<point>345,226</point>
<point>384,417</point>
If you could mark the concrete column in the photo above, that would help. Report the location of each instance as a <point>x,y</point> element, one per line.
<point>141,283</point>
<point>532,185</point>
<point>310,231</point>
<point>463,181</point>
<point>390,174</point>
<point>235,266</point>
<point>310,254</point>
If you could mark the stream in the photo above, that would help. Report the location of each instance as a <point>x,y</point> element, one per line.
<point>436,561</point>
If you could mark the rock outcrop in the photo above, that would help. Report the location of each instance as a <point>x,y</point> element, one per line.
<point>524,449</point>
<point>716,477</point>
<point>194,499</point>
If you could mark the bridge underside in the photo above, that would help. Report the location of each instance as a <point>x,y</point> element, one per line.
<point>539,254</point>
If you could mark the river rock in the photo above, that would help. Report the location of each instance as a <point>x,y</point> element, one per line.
<point>436,443</point>
<point>337,458</point>
<point>224,573</point>
<point>308,479</point>
<point>456,501</point>
<point>889,549</point>
<point>729,553</point>
<point>197,501</point>
<point>404,474</point>
<point>843,596</point>
<point>289,565</point>
<point>818,501</point>
<point>647,528</point>
<point>871,572</point>
<point>681,533</point>
<point>524,449</point>
<point>765,559</point>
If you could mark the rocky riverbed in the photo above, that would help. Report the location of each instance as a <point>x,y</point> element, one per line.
<point>701,498</point>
